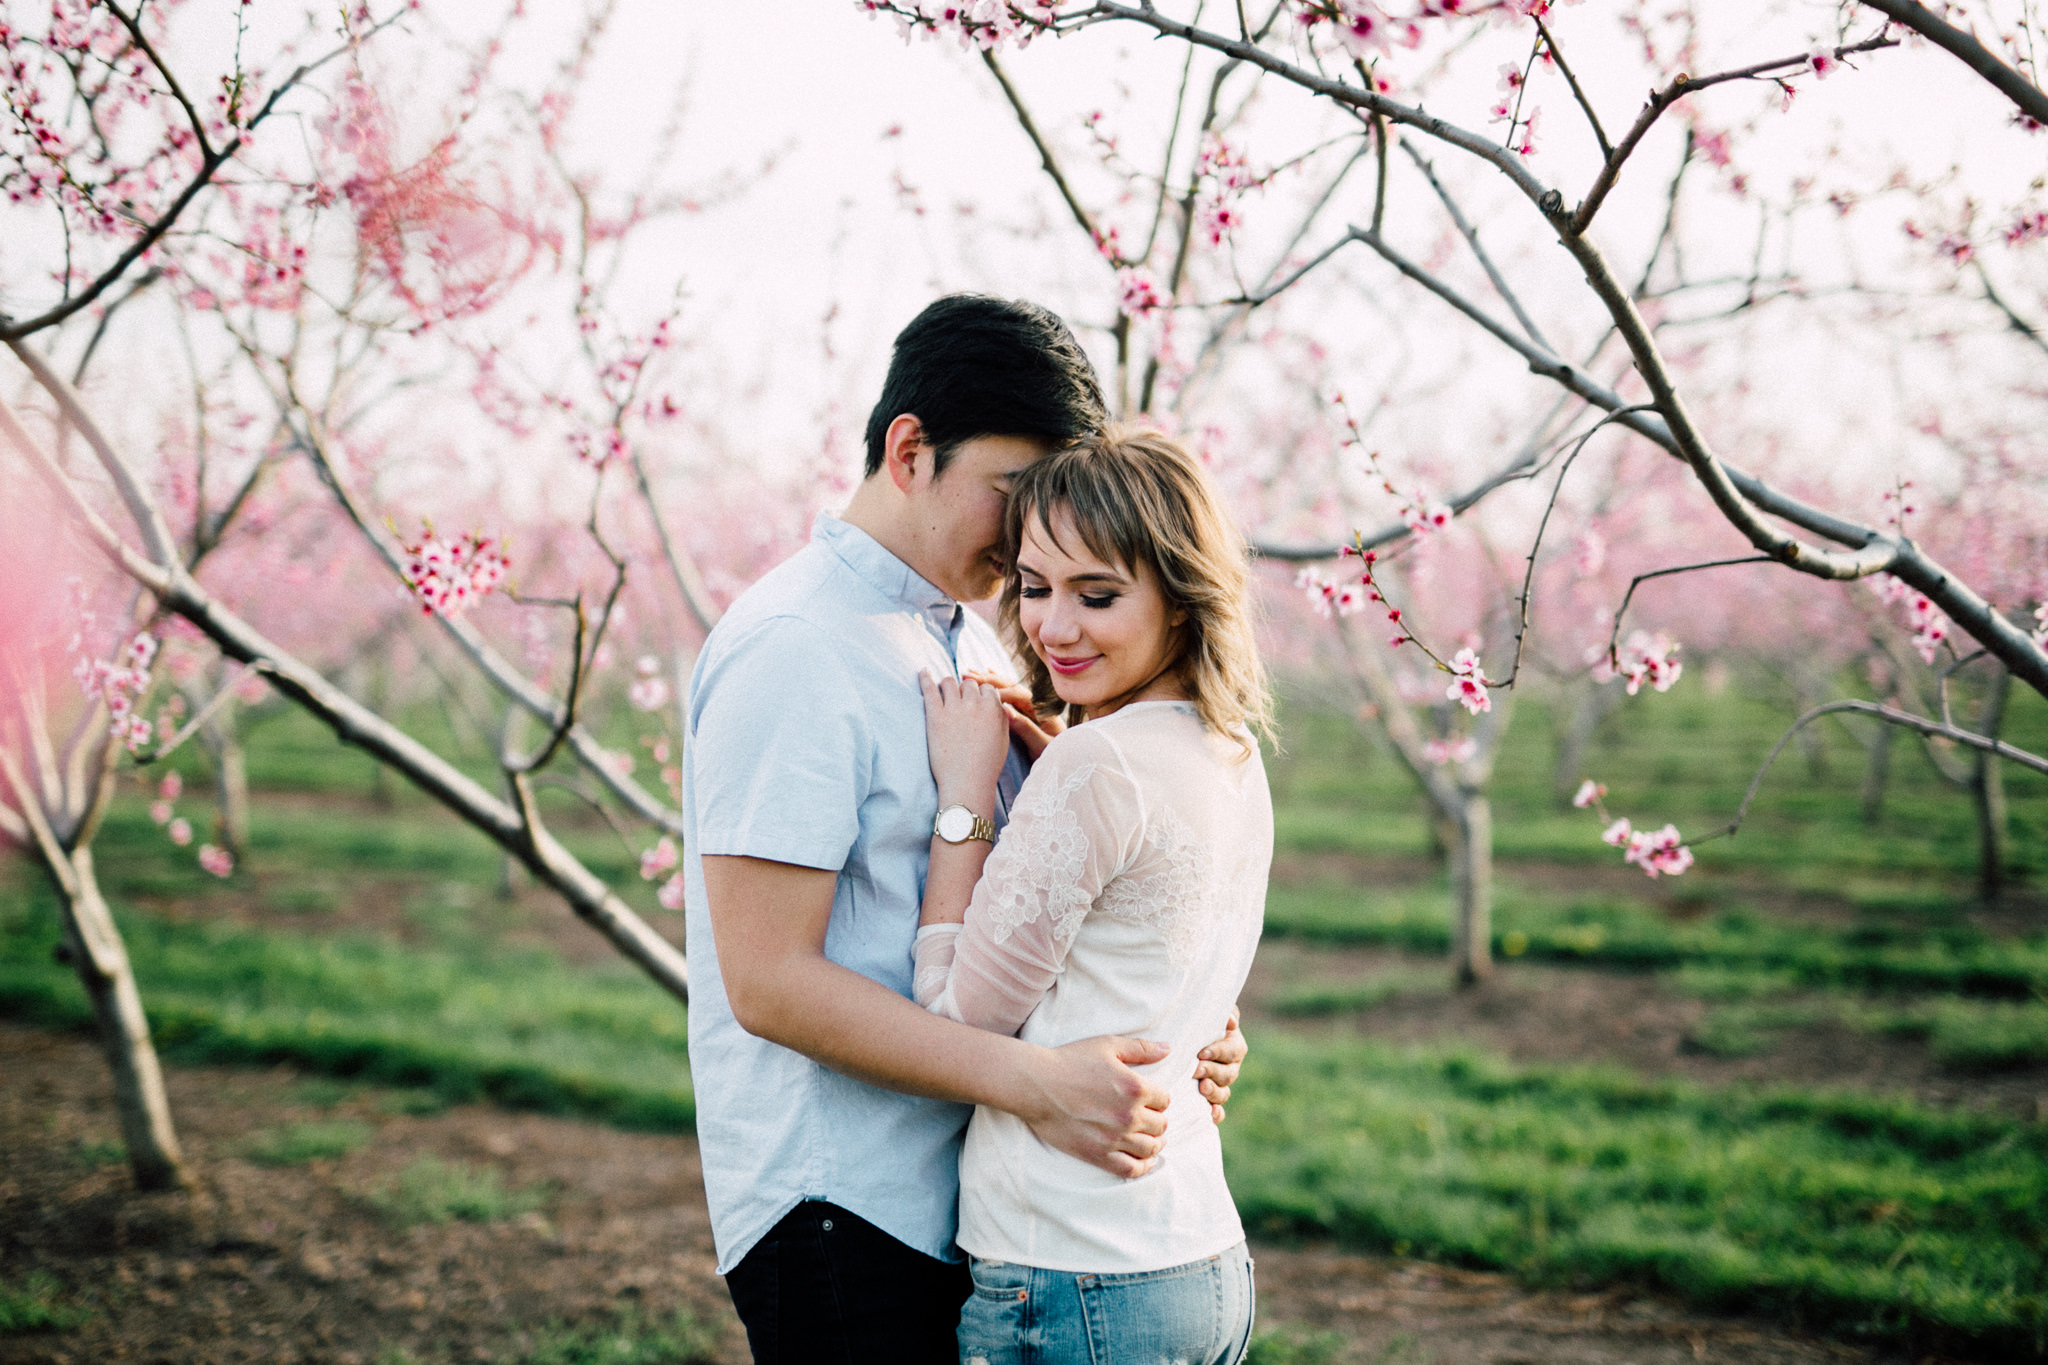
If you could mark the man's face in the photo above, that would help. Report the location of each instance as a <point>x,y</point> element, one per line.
<point>959,515</point>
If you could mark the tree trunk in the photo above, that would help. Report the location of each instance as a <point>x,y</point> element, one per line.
<point>101,959</point>
<point>1472,890</point>
<point>1592,703</point>
<point>1987,790</point>
<point>1877,774</point>
<point>231,794</point>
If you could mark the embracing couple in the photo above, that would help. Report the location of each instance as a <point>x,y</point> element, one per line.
<point>926,872</point>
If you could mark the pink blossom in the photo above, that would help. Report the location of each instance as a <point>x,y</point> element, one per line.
<point>1442,751</point>
<point>1824,63</point>
<point>180,831</point>
<point>1659,853</point>
<point>1468,683</point>
<point>659,859</point>
<point>218,861</point>
<point>1138,292</point>
<point>648,694</point>
<point>160,812</point>
<point>1647,658</point>
<point>1591,557</point>
<point>451,576</point>
<point>671,893</point>
<point>1589,791</point>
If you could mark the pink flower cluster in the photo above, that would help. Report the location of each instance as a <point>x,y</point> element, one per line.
<point>1329,597</point>
<point>1442,751</point>
<point>1364,29</point>
<point>658,860</point>
<point>1137,292</point>
<point>1643,659</point>
<point>1224,177</point>
<point>648,692</point>
<point>1660,853</point>
<point>216,860</point>
<point>985,24</point>
<point>120,685</point>
<point>1468,683</point>
<point>1929,625</point>
<point>451,576</point>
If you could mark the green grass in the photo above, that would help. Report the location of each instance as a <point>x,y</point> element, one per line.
<point>1292,1345</point>
<point>1346,996</point>
<point>298,1143</point>
<point>681,1338</point>
<point>1848,1212</point>
<point>32,1306</point>
<point>430,1190</point>
<point>1604,930</point>
<point>1683,756</point>
<point>517,1027</point>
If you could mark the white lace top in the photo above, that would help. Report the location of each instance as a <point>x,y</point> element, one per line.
<point>1125,897</point>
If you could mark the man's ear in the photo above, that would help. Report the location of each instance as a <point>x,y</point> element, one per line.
<point>901,446</point>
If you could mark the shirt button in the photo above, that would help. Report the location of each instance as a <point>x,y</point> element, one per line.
<point>828,1225</point>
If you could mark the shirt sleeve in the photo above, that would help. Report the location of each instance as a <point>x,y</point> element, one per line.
<point>1077,823</point>
<point>781,749</point>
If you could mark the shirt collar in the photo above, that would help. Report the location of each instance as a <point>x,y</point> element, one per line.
<point>883,571</point>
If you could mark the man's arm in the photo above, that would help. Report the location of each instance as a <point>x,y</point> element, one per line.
<point>769,921</point>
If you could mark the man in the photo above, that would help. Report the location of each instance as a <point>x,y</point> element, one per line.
<point>830,1107</point>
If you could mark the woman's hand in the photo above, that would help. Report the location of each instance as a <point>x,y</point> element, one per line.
<point>1031,731</point>
<point>1217,1065</point>
<point>968,738</point>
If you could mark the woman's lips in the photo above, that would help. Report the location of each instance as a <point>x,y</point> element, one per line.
<point>1069,667</point>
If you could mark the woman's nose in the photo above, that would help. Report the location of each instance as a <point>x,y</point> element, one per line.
<point>1059,626</point>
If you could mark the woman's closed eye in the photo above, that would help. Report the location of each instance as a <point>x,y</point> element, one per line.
<point>1098,601</point>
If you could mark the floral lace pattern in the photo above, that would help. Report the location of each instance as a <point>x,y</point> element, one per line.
<point>1175,891</point>
<point>1052,855</point>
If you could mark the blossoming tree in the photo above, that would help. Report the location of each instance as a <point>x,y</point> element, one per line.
<point>1607,203</point>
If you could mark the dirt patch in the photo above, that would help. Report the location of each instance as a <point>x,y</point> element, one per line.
<point>298,1263</point>
<point>1539,1012</point>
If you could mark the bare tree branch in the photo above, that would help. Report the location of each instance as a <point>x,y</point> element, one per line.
<point>1973,54</point>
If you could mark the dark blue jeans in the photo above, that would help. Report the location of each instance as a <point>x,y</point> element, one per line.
<point>829,1287</point>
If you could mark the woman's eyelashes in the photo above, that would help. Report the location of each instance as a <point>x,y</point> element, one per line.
<point>1036,591</point>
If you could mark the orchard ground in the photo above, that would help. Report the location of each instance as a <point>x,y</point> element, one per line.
<point>1791,1106</point>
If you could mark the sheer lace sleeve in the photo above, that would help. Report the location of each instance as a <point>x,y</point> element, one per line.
<point>1076,824</point>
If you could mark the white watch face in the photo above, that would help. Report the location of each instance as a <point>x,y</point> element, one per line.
<point>955,824</point>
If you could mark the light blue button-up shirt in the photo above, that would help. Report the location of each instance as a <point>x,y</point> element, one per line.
<point>806,745</point>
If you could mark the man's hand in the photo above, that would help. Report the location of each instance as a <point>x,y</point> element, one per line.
<point>1029,729</point>
<point>1091,1105</point>
<point>1218,1064</point>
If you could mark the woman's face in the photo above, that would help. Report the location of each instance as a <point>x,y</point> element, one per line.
<point>1103,630</point>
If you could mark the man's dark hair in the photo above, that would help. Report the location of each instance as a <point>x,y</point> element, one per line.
<point>972,365</point>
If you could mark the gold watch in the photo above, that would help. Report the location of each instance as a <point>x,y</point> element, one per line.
<point>957,824</point>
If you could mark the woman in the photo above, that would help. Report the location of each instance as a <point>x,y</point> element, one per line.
<point>1125,897</point>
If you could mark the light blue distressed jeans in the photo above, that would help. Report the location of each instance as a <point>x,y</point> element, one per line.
<point>1194,1314</point>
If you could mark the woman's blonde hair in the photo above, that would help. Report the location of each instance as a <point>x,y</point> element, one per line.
<point>1137,497</point>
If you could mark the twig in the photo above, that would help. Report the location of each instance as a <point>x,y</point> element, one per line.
<point>1661,100</point>
<point>1471,235</point>
<point>1522,609</point>
<point>1642,578</point>
<point>1599,133</point>
<point>206,712</point>
<point>1890,715</point>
